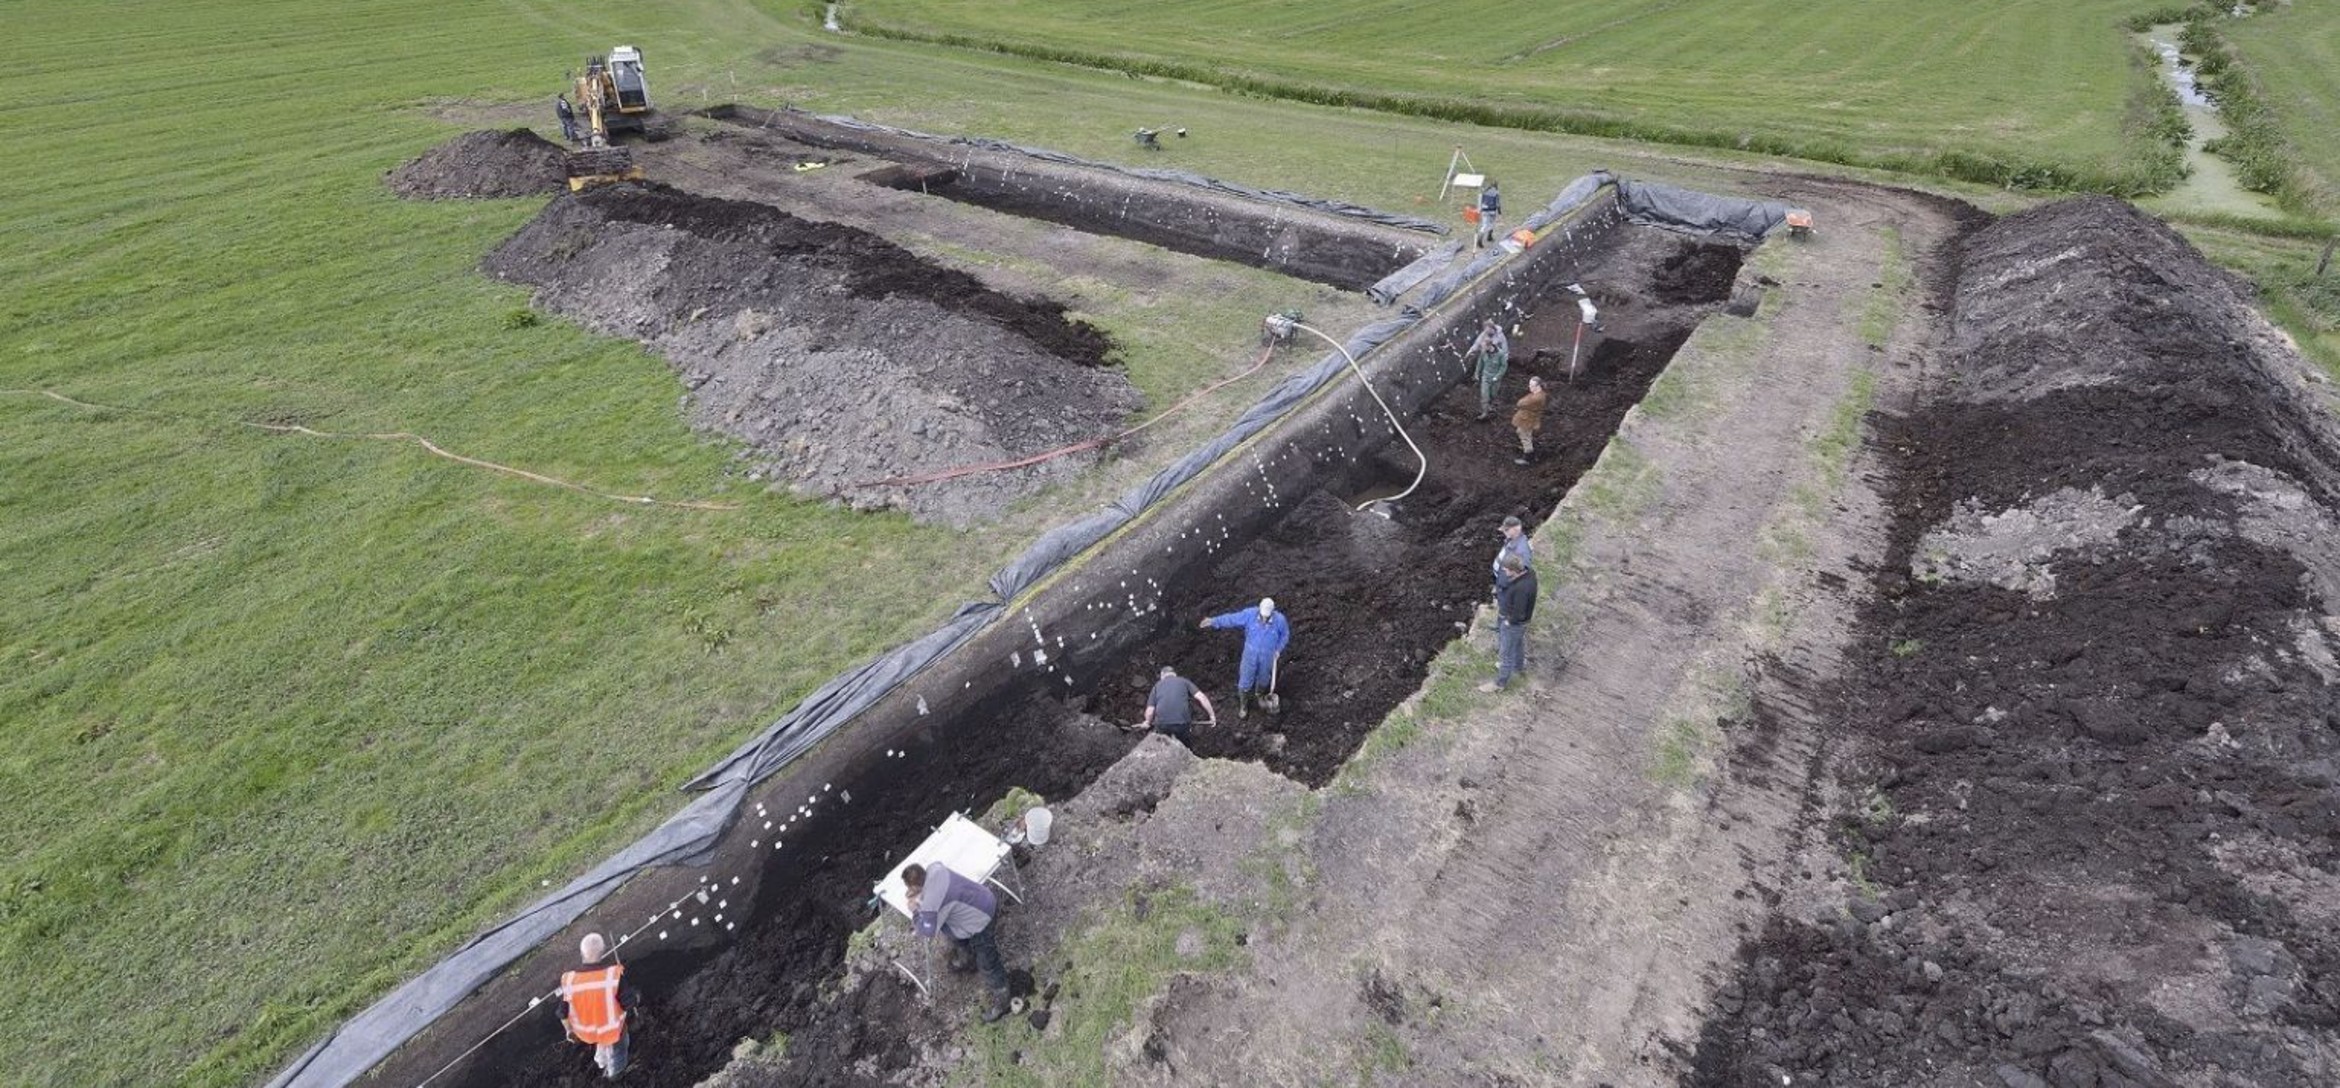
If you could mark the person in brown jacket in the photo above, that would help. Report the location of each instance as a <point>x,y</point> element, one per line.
<point>1526,418</point>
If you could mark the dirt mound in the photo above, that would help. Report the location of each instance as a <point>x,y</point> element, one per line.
<point>1199,832</point>
<point>837,356</point>
<point>2093,834</point>
<point>478,165</point>
<point>2038,302</point>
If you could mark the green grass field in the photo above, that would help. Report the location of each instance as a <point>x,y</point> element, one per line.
<point>2294,52</point>
<point>1888,81</point>
<point>291,717</point>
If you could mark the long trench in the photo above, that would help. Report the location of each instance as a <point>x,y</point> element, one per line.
<point>1032,701</point>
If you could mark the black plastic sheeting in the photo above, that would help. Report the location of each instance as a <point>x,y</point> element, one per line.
<point>692,834</point>
<point>1391,287</point>
<point>1706,213</point>
<point>1174,177</point>
<point>370,1036</point>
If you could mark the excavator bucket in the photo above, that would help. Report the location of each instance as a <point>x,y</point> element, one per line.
<point>600,165</point>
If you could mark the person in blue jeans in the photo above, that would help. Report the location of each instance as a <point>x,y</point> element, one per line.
<point>1490,210</point>
<point>1265,634</point>
<point>962,909</point>
<point>1515,604</point>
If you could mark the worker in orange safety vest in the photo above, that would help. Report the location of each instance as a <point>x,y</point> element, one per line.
<point>594,1002</point>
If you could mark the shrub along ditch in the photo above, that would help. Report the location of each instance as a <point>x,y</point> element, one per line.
<point>2154,122</point>
<point>2141,173</point>
<point>2253,142</point>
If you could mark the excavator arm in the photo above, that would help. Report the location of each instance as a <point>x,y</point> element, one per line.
<point>600,98</point>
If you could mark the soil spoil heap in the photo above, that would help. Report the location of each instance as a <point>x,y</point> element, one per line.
<point>481,165</point>
<point>837,356</point>
<point>2086,775</point>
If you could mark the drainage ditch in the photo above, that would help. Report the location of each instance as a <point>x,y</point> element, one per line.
<point>1373,599</point>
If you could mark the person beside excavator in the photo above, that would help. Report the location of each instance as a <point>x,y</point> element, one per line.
<point>568,116</point>
<point>594,1001</point>
<point>1265,634</point>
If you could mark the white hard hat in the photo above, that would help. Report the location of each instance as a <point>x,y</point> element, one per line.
<point>1267,606</point>
<point>1036,824</point>
<point>593,947</point>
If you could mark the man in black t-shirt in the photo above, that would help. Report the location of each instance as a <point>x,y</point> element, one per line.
<point>1515,605</point>
<point>1169,709</point>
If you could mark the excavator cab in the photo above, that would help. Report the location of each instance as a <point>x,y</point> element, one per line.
<point>613,94</point>
<point>627,82</point>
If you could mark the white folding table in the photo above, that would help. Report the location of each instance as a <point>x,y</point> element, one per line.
<point>962,846</point>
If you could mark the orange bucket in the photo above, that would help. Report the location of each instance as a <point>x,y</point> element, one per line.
<point>1471,215</point>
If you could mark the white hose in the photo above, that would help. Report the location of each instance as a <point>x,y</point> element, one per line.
<point>1393,419</point>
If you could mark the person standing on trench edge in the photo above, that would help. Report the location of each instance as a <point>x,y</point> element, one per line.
<point>1527,418</point>
<point>1489,357</point>
<point>963,910</point>
<point>1515,542</point>
<point>1170,710</point>
<point>594,1003</point>
<point>1515,604</point>
<point>1265,634</point>
<point>568,117</point>
<point>1490,210</point>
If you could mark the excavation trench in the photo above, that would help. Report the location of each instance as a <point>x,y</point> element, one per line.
<point>1297,240</point>
<point>1033,700</point>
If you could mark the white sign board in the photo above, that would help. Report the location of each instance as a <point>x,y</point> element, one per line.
<point>960,844</point>
<point>1470,181</point>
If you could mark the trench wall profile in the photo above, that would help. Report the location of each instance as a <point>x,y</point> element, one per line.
<point>1324,241</point>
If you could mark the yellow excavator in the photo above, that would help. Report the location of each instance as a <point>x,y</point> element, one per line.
<point>614,97</point>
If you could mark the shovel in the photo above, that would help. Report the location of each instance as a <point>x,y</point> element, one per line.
<point>1271,702</point>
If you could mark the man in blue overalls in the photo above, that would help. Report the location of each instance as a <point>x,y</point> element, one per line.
<point>1265,633</point>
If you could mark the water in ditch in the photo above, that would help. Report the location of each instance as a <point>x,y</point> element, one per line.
<point>2211,184</point>
<point>1372,600</point>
